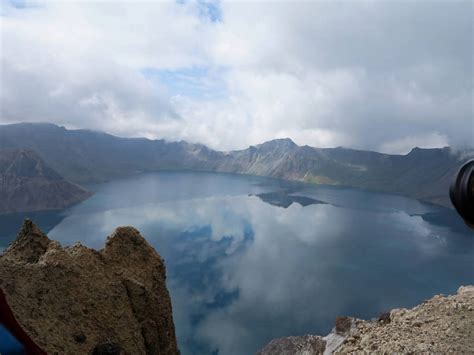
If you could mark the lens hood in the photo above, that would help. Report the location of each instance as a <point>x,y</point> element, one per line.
<point>461,192</point>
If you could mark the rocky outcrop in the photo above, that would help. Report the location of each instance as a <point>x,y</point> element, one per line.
<point>76,300</point>
<point>28,184</point>
<point>306,344</point>
<point>443,324</point>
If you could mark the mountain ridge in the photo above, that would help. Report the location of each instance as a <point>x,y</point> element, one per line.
<point>163,140</point>
<point>89,156</point>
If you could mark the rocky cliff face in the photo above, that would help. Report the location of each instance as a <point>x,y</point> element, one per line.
<point>441,325</point>
<point>77,300</point>
<point>28,184</point>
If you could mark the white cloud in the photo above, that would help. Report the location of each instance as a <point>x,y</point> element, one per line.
<point>361,74</point>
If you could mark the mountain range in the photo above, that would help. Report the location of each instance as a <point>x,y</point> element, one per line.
<point>85,156</point>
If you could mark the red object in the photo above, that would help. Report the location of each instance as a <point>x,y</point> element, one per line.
<point>8,320</point>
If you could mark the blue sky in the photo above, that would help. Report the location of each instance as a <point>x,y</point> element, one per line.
<point>17,3</point>
<point>212,10</point>
<point>201,83</point>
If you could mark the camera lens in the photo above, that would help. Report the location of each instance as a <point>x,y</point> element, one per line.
<point>471,185</point>
<point>462,192</point>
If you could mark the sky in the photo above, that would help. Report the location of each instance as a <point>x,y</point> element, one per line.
<point>379,75</point>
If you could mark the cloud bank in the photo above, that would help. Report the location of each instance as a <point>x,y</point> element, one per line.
<point>373,75</point>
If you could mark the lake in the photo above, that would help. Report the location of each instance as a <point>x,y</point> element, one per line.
<point>250,259</point>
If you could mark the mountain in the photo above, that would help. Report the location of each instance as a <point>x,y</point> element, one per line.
<point>28,184</point>
<point>88,156</point>
<point>77,300</point>
<point>84,156</point>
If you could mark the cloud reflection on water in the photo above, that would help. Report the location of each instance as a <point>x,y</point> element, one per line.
<point>241,271</point>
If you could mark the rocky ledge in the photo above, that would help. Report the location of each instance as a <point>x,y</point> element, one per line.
<point>76,300</point>
<point>443,324</point>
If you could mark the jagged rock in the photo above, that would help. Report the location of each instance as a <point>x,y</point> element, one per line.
<point>384,318</point>
<point>343,325</point>
<point>76,300</point>
<point>302,345</point>
<point>440,325</point>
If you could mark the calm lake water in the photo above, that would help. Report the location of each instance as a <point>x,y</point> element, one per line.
<point>243,269</point>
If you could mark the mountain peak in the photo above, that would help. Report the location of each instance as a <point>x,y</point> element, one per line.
<point>279,143</point>
<point>418,151</point>
<point>27,163</point>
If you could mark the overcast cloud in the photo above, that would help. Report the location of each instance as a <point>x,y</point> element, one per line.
<point>381,75</point>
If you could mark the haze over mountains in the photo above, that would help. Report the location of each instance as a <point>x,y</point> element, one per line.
<point>84,156</point>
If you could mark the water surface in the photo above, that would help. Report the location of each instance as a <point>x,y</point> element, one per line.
<point>250,259</point>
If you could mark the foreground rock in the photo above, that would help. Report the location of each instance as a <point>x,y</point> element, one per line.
<point>306,344</point>
<point>443,324</point>
<point>77,300</point>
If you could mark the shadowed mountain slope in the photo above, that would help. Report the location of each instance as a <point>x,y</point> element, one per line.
<point>28,184</point>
